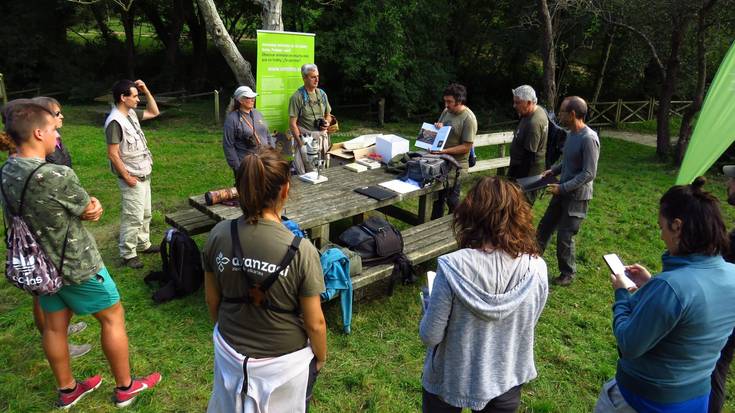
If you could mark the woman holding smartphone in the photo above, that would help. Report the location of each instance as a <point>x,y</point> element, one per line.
<point>487,297</point>
<point>670,330</point>
<point>262,288</point>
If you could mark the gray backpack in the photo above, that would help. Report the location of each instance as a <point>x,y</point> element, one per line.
<point>27,266</point>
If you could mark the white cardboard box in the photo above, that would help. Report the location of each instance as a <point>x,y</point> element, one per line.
<point>388,146</point>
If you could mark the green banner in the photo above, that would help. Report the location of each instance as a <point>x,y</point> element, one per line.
<point>715,128</point>
<point>280,56</point>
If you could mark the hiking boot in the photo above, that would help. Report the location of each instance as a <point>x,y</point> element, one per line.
<point>78,350</point>
<point>67,400</point>
<point>76,328</point>
<point>134,263</point>
<point>123,398</point>
<point>153,249</point>
<point>563,280</point>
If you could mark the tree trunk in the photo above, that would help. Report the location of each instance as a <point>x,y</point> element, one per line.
<point>240,67</point>
<point>603,63</point>
<point>671,72</point>
<point>127,18</point>
<point>685,132</point>
<point>198,37</point>
<point>100,17</point>
<point>169,34</point>
<point>271,14</point>
<point>548,54</point>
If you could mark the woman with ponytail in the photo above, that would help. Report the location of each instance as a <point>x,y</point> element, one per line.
<point>262,288</point>
<point>670,328</point>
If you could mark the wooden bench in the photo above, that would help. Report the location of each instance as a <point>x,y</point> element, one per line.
<point>490,139</point>
<point>421,243</point>
<point>190,221</point>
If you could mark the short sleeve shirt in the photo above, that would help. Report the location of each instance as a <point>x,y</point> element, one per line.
<point>316,107</point>
<point>54,202</point>
<point>464,129</point>
<point>252,330</point>
<point>528,149</point>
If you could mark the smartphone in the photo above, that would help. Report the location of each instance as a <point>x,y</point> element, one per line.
<point>430,275</point>
<point>617,267</point>
<point>613,261</point>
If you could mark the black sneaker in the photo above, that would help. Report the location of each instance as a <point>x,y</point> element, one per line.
<point>153,249</point>
<point>564,280</point>
<point>133,263</point>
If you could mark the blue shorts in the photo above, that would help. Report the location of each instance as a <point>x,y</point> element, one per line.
<point>89,297</point>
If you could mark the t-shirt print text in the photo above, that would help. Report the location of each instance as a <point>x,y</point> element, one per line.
<point>254,266</point>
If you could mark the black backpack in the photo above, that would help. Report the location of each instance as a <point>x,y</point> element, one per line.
<point>379,242</point>
<point>182,268</point>
<point>555,138</point>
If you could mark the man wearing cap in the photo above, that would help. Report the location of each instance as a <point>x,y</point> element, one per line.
<point>131,161</point>
<point>719,374</point>
<point>528,149</point>
<point>245,128</point>
<point>308,111</point>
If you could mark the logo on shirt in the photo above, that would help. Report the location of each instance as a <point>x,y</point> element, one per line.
<point>251,265</point>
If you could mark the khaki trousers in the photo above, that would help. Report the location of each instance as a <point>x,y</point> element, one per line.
<point>135,218</point>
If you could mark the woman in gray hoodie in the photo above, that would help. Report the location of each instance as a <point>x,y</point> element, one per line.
<point>487,297</point>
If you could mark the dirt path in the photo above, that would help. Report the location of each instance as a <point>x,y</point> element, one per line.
<point>641,138</point>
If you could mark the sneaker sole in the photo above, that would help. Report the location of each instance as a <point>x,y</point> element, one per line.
<point>131,400</point>
<point>66,407</point>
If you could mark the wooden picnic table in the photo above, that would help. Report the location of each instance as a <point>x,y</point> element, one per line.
<point>315,206</point>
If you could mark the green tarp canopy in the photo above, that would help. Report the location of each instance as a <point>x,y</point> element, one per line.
<point>715,128</point>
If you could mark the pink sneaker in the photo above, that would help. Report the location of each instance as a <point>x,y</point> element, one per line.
<point>123,398</point>
<point>67,400</point>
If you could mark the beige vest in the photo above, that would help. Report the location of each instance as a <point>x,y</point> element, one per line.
<point>133,148</point>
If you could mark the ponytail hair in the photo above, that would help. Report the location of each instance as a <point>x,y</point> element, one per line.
<point>703,229</point>
<point>260,178</point>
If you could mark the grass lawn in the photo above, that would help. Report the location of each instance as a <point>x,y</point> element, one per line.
<point>378,367</point>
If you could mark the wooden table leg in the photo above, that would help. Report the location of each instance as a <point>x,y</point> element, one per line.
<point>426,203</point>
<point>320,235</point>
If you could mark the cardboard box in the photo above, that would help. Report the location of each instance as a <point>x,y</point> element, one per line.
<point>388,146</point>
<point>341,156</point>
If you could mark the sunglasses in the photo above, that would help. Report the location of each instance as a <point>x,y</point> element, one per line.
<point>57,113</point>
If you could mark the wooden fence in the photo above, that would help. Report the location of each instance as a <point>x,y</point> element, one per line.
<point>615,113</point>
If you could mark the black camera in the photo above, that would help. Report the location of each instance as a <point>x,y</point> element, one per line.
<point>320,123</point>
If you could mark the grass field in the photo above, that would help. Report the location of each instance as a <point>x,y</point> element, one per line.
<point>378,367</point>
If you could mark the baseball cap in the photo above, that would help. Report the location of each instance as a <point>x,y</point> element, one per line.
<point>244,91</point>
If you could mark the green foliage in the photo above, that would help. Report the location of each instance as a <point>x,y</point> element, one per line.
<point>386,49</point>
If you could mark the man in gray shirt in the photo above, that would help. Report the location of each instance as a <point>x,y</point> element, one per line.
<point>572,194</point>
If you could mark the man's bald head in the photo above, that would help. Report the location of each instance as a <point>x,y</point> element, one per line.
<point>575,104</point>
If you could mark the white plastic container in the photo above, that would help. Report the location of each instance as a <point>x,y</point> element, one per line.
<point>388,146</point>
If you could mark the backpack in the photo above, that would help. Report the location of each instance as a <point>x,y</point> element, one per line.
<point>182,272</point>
<point>379,242</point>
<point>425,168</point>
<point>555,138</point>
<point>27,266</point>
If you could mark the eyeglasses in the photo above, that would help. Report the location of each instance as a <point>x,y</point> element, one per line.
<point>57,113</point>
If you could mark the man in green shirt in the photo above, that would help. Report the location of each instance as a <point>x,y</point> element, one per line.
<point>528,149</point>
<point>308,111</point>
<point>464,128</point>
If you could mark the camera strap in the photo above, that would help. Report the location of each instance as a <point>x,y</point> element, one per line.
<point>251,125</point>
